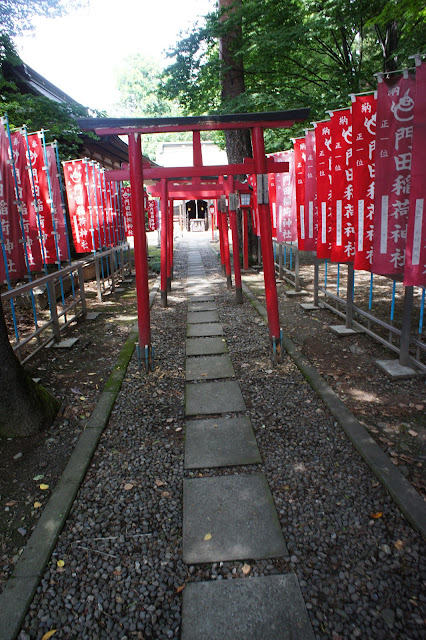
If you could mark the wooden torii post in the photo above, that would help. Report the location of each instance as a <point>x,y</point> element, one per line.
<point>134,128</point>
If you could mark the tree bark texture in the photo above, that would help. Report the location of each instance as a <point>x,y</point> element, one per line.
<point>25,407</point>
<point>238,141</point>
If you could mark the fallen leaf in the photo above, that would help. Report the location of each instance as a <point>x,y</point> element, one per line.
<point>60,563</point>
<point>376,515</point>
<point>37,505</point>
<point>413,433</point>
<point>37,478</point>
<point>181,588</point>
<point>128,486</point>
<point>399,545</point>
<point>49,634</point>
<point>165,494</point>
<point>169,420</point>
<point>11,503</point>
<point>43,487</point>
<point>82,398</point>
<point>159,483</point>
<point>246,568</point>
<point>376,484</point>
<point>91,374</point>
<point>208,536</point>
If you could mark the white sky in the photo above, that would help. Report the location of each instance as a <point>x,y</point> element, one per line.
<point>81,52</point>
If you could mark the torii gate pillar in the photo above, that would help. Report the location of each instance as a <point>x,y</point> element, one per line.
<point>266,241</point>
<point>233,204</point>
<point>164,242</point>
<point>141,258</point>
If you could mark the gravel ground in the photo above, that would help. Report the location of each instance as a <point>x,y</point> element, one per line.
<point>358,562</point>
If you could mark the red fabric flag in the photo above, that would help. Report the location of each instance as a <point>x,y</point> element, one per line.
<point>152,215</point>
<point>286,200</point>
<point>126,205</point>
<point>273,202</point>
<point>91,172</point>
<point>364,112</point>
<point>342,220</point>
<point>299,170</point>
<point>415,264</point>
<point>57,207</point>
<point>78,205</point>
<point>40,187</point>
<point>324,192</point>
<point>12,262</point>
<point>311,211</point>
<point>394,138</point>
<point>26,200</point>
<point>252,180</point>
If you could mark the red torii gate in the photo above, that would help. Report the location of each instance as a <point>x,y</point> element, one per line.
<point>259,164</point>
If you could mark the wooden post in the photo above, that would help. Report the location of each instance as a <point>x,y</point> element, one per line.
<point>266,241</point>
<point>245,240</point>
<point>164,260</point>
<point>141,258</point>
<point>233,204</point>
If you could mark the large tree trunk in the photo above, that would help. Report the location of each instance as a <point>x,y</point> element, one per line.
<point>238,141</point>
<point>25,407</point>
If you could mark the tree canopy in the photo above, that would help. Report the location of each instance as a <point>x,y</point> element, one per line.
<point>16,15</point>
<point>295,53</point>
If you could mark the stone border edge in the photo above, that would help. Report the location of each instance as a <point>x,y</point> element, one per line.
<point>408,500</point>
<point>20,588</point>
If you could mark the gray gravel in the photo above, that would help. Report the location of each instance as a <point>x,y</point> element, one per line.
<point>361,577</point>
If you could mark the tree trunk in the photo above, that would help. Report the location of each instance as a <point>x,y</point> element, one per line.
<point>25,407</point>
<point>238,141</point>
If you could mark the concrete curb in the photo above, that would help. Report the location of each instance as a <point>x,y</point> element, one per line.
<point>410,503</point>
<point>22,584</point>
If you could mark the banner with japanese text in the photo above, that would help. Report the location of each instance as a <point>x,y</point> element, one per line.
<point>252,180</point>
<point>415,264</point>
<point>364,112</point>
<point>12,262</point>
<point>324,193</point>
<point>57,205</point>
<point>152,215</point>
<point>126,205</point>
<point>285,185</point>
<point>30,229</point>
<point>272,192</point>
<point>299,171</point>
<point>93,192</point>
<point>342,219</point>
<point>78,205</point>
<point>311,211</point>
<point>40,187</point>
<point>394,139</point>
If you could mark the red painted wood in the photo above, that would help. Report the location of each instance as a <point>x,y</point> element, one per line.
<point>170,241</point>
<point>208,126</point>
<point>220,227</point>
<point>141,258</point>
<point>164,261</point>
<point>266,240</point>
<point>245,239</point>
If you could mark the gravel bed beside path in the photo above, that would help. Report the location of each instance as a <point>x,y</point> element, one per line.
<point>358,562</point>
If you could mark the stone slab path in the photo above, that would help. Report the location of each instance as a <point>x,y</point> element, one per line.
<point>228,517</point>
<point>263,608</point>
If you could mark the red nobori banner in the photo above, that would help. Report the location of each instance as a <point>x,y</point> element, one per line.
<point>324,193</point>
<point>126,205</point>
<point>394,139</point>
<point>272,192</point>
<point>25,198</point>
<point>12,263</point>
<point>415,264</point>
<point>252,180</point>
<point>152,215</point>
<point>285,184</point>
<point>342,220</point>
<point>311,211</point>
<point>78,205</point>
<point>57,206</point>
<point>299,171</point>
<point>93,186</point>
<point>364,111</point>
<point>40,187</point>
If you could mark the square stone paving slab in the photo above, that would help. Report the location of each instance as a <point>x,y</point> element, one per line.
<point>202,306</point>
<point>196,317</point>
<point>221,442</point>
<point>204,330</point>
<point>67,343</point>
<point>236,513</point>
<point>209,398</point>
<point>209,368</point>
<point>262,608</point>
<point>206,346</point>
